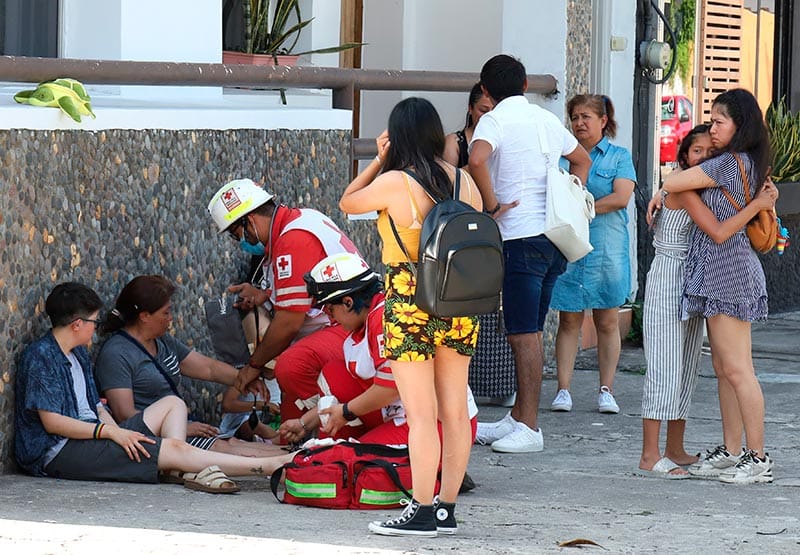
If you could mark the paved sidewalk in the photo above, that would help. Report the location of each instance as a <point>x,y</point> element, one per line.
<point>583,485</point>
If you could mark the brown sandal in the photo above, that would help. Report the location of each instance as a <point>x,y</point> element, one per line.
<point>210,480</point>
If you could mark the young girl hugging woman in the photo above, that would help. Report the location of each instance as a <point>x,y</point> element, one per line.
<point>672,346</point>
<point>724,283</point>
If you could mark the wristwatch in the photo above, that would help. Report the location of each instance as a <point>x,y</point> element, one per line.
<point>348,415</point>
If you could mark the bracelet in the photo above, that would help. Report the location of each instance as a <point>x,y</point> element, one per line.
<point>348,414</point>
<point>302,425</point>
<point>495,210</point>
<point>98,429</point>
<point>378,159</point>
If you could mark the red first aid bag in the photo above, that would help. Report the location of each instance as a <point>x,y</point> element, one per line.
<point>346,475</point>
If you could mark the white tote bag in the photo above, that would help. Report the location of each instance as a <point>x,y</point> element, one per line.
<point>568,209</point>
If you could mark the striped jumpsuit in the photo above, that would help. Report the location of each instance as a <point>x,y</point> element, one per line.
<point>671,346</point>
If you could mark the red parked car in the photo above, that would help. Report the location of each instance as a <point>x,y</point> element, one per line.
<point>676,122</point>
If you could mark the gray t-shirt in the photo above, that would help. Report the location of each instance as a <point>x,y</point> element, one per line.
<point>122,365</point>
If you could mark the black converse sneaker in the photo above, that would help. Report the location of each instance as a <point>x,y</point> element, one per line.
<point>445,516</point>
<point>416,520</point>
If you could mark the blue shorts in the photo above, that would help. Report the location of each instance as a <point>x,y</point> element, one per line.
<point>532,265</point>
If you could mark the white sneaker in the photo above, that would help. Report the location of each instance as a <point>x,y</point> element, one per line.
<point>521,440</point>
<point>489,432</point>
<point>713,463</point>
<point>562,402</point>
<point>749,470</point>
<point>606,403</point>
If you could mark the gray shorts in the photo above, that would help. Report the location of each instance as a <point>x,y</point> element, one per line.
<point>105,461</point>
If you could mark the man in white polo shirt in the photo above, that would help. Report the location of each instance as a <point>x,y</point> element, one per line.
<point>508,166</point>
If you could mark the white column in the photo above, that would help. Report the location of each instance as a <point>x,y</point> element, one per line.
<point>145,30</point>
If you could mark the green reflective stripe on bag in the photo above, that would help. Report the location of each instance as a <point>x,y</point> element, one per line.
<point>311,491</point>
<point>375,497</point>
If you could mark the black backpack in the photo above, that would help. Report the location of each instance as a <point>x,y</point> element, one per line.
<point>460,263</point>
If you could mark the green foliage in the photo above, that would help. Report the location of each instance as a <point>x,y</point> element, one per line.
<point>278,34</point>
<point>683,23</point>
<point>784,138</point>
<point>636,335</point>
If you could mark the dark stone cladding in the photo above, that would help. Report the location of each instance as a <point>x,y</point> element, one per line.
<point>783,272</point>
<point>102,207</point>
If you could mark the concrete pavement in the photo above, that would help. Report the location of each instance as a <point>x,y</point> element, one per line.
<point>583,485</point>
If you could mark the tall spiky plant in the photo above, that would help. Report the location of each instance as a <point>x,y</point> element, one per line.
<point>784,138</point>
<point>273,27</point>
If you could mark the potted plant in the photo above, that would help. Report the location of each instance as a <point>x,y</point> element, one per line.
<point>265,32</point>
<point>784,137</point>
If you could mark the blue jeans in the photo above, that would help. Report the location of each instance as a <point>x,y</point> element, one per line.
<point>532,265</point>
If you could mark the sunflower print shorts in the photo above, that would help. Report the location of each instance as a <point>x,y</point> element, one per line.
<point>412,335</point>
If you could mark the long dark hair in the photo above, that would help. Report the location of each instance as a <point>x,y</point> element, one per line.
<point>688,141</point>
<point>141,294</point>
<point>751,134</point>
<point>417,142</point>
<point>474,96</point>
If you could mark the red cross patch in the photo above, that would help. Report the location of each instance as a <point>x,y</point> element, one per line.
<point>284,265</point>
<point>381,345</point>
<point>230,199</point>
<point>330,273</point>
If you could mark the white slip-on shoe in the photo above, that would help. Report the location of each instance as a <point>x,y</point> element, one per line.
<point>521,440</point>
<point>489,432</point>
<point>562,402</point>
<point>606,402</point>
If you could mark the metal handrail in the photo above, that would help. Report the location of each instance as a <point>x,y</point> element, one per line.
<point>342,81</point>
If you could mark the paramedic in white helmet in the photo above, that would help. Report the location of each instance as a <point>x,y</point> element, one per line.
<point>362,398</point>
<point>291,241</point>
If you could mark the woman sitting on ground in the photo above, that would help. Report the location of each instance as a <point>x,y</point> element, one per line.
<point>63,430</point>
<point>142,363</point>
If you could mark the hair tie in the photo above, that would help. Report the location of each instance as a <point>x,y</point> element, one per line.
<point>117,313</point>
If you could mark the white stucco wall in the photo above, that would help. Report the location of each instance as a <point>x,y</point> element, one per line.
<point>457,35</point>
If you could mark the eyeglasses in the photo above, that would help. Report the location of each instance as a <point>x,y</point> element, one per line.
<point>233,230</point>
<point>96,322</point>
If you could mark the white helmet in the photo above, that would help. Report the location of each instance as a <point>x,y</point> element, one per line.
<point>235,200</point>
<point>337,276</point>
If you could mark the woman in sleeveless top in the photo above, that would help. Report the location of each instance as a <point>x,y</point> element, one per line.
<point>456,145</point>
<point>429,356</point>
<point>672,347</point>
<point>725,283</point>
<point>492,371</point>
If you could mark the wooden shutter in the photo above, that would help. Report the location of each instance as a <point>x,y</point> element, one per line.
<point>719,48</point>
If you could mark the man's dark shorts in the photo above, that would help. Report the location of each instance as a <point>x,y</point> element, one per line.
<point>532,265</point>
<point>105,461</point>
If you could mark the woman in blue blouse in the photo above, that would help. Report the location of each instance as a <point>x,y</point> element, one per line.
<point>601,280</point>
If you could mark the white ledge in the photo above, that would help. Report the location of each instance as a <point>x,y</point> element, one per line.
<point>233,109</point>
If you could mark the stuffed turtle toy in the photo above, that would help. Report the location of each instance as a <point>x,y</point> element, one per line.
<point>67,94</point>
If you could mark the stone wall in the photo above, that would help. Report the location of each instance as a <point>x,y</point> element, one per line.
<point>578,48</point>
<point>103,207</point>
<point>783,271</point>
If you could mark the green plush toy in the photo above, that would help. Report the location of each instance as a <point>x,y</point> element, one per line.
<point>67,94</point>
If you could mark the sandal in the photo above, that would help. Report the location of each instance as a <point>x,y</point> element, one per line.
<point>173,477</point>
<point>210,480</point>
<point>666,469</point>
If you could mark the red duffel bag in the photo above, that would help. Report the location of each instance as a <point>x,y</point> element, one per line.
<point>346,475</point>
